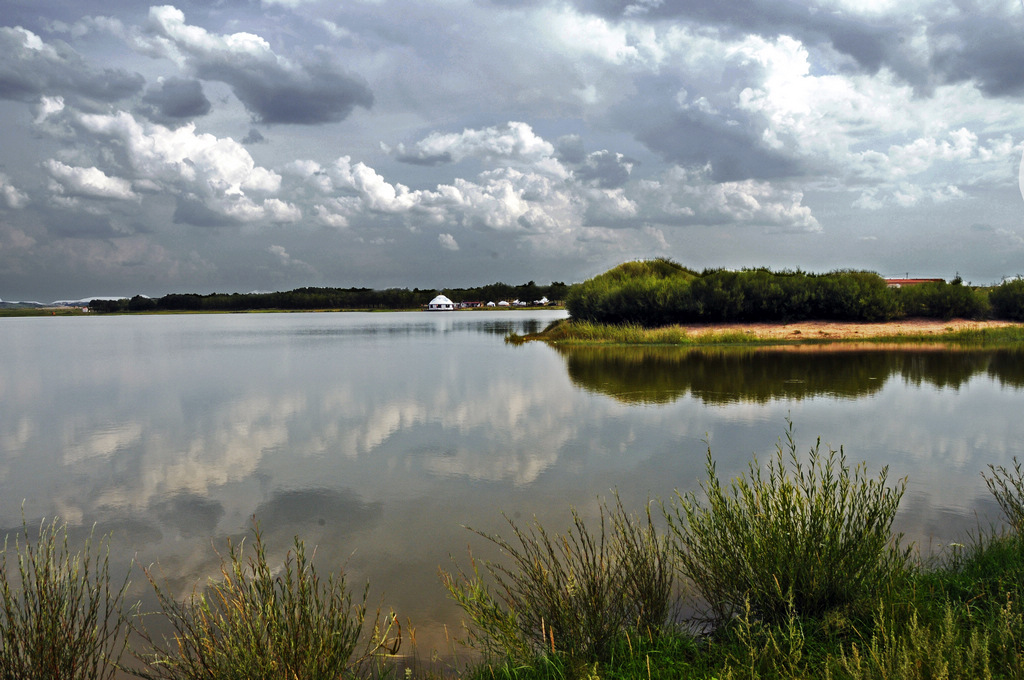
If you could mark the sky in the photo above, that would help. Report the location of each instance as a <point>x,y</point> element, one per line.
<point>260,145</point>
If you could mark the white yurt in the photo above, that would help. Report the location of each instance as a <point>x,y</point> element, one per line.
<point>440,303</point>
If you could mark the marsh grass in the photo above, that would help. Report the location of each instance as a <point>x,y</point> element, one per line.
<point>568,595</point>
<point>62,616</point>
<point>252,623</point>
<point>572,331</point>
<point>811,536</point>
<point>1007,486</point>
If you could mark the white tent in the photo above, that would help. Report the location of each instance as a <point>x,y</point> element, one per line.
<point>440,303</point>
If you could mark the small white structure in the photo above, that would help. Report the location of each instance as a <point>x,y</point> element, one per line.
<point>440,304</point>
<point>503,303</point>
<point>490,304</point>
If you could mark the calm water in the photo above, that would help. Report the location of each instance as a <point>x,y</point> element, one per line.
<point>376,437</point>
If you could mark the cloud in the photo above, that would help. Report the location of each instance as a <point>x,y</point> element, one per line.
<point>31,68</point>
<point>88,182</point>
<point>447,242</point>
<point>273,88</point>
<point>254,137</point>
<point>175,100</point>
<point>513,142</point>
<point>214,179</point>
<point>605,169</point>
<point>13,197</point>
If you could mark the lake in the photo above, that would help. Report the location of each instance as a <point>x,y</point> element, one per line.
<point>378,437</point>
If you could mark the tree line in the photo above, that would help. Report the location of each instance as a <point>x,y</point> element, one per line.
<point>329,298</point>
<point>661,292</point>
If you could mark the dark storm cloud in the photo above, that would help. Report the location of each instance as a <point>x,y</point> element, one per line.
<point>982,47</point>
<point>606,169</point>
<point>175,100</point>
<point>569,149</point>
<point>310,90</point>
<point>871,43</point>
<point>254,137</point>
<point>317,92</point>
<point>30,68</point>
<point>730,143</point>
<point>425,160</point>
<point>191,210</point>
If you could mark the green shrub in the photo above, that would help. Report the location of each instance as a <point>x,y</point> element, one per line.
<point>253,624</point>
<point>808,537</point>
<point>61,617</point>
<point>1007,300</point>
<point>941,300</point>
<point>570,594</point>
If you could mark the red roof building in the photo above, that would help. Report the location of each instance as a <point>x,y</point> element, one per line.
<point>899,283</point>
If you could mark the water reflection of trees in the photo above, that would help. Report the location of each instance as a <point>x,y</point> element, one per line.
<point>657,375</point>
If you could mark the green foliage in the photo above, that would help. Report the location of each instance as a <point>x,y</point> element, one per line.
<point>942,300</point>
<point>811,537</point>
<point>62,618</point>
<point>1007,486</point>
<point>570,594</point>
<point>947,648</point>
<point>658,292</point>
<point>1007,300</point>
<point>253,624</point>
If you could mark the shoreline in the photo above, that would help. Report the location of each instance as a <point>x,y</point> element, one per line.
<point>917,331</point>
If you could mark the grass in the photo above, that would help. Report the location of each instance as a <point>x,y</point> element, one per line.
<point>252,623</point>
<point>567,595</point>
<point>794,559</point>
<point>61,614</point>
<point>805,537</point>
<point>797,562</point>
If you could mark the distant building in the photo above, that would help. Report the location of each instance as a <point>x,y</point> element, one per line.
<point>440,304</point>
<point>900,283</point>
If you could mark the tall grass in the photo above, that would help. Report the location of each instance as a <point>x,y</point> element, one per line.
<point>1007,486</point>
<point>808,536</point>
<point>254,624</point>
<point>61,615</point>
<point>571,595</point>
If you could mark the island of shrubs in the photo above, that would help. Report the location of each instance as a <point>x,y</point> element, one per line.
<point>660,292</point>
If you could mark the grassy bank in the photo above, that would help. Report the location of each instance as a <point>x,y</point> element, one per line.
<point>790,570</point>
<point>573,332</point>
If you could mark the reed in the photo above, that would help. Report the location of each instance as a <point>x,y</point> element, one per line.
<point>61,614</point>
<point>567,595</point>
<point>252,623</point>
<point>809,537</point>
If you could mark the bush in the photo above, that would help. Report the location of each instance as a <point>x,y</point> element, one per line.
<point>940,300</point>
<point>1008,300</point>
<point>252,624</point>
<point>571,594</point>
<point>799,538</point>
<point>63,619</point>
